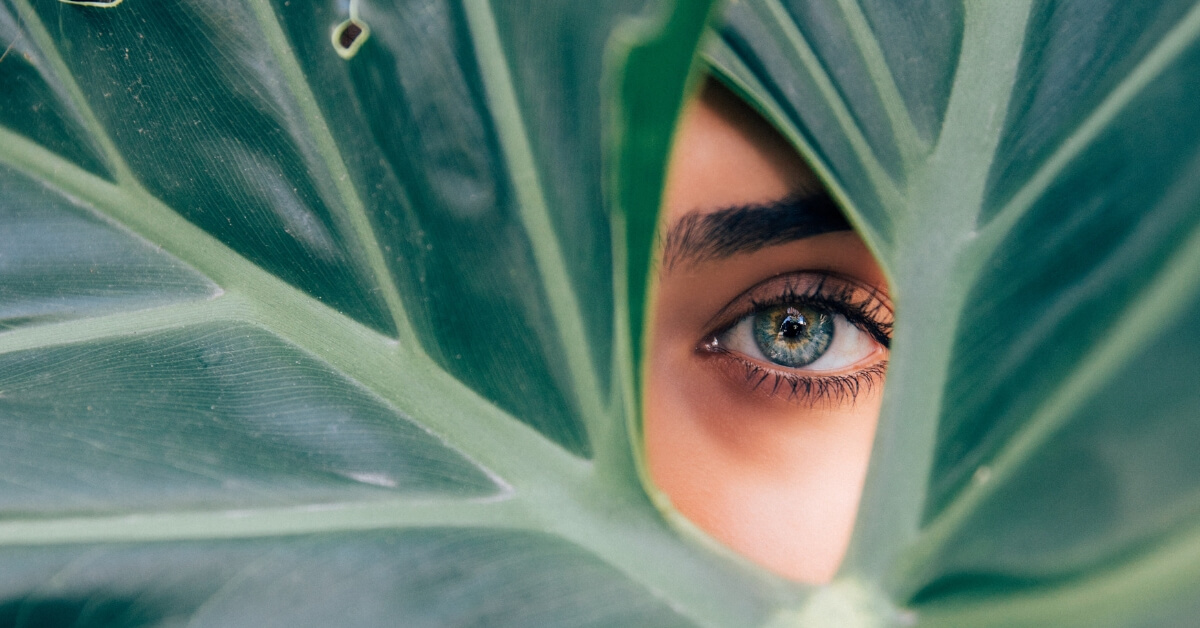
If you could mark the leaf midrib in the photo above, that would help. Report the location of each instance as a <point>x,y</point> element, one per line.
<point>553,491</point>
<point>1159,303</point>
<point>937,220</point>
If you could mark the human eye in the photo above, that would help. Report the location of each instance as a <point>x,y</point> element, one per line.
<point>809,336</point>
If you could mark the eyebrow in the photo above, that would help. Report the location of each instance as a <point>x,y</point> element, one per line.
<point>702,237</point>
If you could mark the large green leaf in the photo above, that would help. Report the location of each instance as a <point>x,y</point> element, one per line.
<point>1027,174</point>
<point>306,330</point>
<point>299,329</point>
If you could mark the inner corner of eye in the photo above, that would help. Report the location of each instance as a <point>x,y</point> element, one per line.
<point>710,344</point>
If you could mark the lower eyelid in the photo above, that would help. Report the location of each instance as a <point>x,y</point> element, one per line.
<point>806,389</point>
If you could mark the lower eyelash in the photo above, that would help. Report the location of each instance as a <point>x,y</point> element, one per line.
<point>810,390</point>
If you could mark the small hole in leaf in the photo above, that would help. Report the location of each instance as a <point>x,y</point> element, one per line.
<point>349,36</point>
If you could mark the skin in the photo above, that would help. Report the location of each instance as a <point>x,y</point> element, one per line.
<point>776,479</point>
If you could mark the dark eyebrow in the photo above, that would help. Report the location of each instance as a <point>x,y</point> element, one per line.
<point>702,237</point>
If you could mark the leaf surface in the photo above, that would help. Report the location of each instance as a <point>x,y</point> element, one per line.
<point>301,329</point>
<point>309,324</point>
<point>1033,201</point>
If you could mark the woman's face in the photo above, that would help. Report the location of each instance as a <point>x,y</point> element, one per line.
<point>768,345</point>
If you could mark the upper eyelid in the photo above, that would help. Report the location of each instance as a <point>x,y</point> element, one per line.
<point>745,303</point>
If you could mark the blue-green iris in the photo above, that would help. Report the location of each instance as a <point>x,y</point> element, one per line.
<point>793,335</point>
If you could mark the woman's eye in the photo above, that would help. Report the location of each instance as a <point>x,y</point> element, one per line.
<point>811,336</point>
<point>798,336</point>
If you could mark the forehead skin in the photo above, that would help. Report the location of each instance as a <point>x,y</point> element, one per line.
<point>734,158</point>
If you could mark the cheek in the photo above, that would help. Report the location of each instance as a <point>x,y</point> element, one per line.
<point>775,481</point>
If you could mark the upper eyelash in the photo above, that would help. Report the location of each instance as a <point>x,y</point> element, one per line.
<point>872,313</point>
<point>859,315</point>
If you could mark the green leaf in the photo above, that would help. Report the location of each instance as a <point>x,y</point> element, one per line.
<point>1026,174</point>
<point>322,313</point>
<point>309,316</point>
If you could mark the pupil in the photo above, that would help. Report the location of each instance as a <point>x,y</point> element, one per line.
<point>793,325</point>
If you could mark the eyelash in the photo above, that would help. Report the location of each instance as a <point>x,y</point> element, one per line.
<point>870,313</point>
<point>812,390</point>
